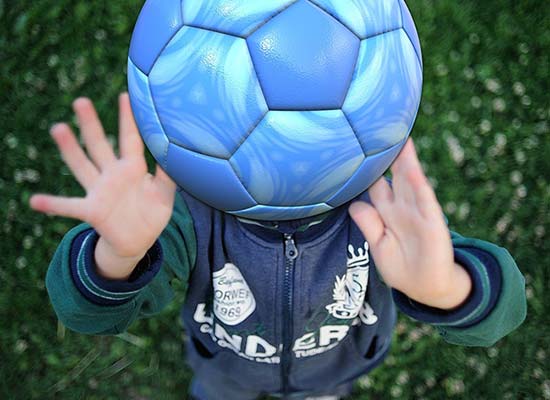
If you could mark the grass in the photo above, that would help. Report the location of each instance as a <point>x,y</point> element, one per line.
<point>482,133</point>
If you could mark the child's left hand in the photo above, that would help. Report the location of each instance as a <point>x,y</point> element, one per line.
<point>408,237</point>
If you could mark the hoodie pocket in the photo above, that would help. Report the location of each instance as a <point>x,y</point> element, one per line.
<point>369,356</point>
<point>232,369</point>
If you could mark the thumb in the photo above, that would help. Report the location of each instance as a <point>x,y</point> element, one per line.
<point>368,220</point>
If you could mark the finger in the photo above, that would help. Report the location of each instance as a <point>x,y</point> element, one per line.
<point>381,195</point>
<point>164,180</point>
<point>369,222</point>
<point>130,140</point>
<point>70,207</point>
<point>82,168</point>
<point>406,158</point>
<point>97,145</point>
<point>402,188</point>
<point>405,164</point>
<point>425,198</point>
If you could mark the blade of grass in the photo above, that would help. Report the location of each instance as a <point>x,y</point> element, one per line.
<point>84,363</point>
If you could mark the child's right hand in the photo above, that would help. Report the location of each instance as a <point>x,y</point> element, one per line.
<point>126,205</point>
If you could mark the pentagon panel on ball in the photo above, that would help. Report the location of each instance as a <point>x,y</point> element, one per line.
<point>304,58</point>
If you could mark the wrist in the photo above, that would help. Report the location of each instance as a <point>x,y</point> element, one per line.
<point>111,266</point>
<point>460,289</point>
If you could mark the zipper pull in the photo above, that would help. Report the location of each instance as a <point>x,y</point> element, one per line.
<point>291,252</point>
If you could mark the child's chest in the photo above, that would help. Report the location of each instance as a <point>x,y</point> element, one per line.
<point>258,297</point>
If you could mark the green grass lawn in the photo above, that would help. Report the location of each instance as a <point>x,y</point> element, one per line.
<point>482,132</point>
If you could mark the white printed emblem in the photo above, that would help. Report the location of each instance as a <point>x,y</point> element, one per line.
<point>350,289</point>
<point>233,300</point>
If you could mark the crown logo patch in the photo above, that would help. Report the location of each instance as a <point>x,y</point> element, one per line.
<point>350,289</point>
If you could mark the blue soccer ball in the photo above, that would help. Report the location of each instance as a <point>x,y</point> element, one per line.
<point>275,109</point>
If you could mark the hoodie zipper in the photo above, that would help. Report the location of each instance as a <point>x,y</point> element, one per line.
<point>291,253</point>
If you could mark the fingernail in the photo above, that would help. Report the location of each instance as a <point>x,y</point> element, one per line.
<point>81,101</point>
<point>55,127</point>
<point>32,201</point>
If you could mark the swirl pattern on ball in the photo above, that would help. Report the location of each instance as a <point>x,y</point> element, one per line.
<point>206,90</point>
<point>313,152</point>
<point>365,18</point>
<point>281,134</point>
<point>385,91</point>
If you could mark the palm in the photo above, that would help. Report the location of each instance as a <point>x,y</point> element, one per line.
<point>138,205</point>
<point>407,234</point>
<point>126,205</point>
<point>412,250</point>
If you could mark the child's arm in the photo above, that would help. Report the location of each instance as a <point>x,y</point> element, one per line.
<point>125,204</point>
<point>471,289</point>
<point>495,307</point>
<point>100,278</point>
<point>86,303</point>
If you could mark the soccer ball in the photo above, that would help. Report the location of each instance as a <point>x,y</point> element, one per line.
<point>275,109</point>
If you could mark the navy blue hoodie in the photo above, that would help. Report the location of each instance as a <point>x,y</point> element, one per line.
<point>280,307</point>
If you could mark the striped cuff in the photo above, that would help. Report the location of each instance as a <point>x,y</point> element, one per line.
<point>486,278</point>
<point>104,291</point>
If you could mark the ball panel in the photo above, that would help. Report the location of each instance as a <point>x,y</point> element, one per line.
<point>158,21</point>
<point>410,29</point>
<point>296,158</point>
<point>145,114</point>
<point>270,213</point>
<point>237,18</point>
<point>209,179</point>
<point>372,168</point>
<point>206,91</point>
<point>304,59</point>
<point>365,18</point>
<point>385,92</point>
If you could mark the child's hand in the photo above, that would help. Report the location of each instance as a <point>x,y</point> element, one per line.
<point>408,237</point>
<point>126,205</point>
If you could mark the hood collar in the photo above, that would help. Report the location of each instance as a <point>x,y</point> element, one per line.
<point>305,228</point>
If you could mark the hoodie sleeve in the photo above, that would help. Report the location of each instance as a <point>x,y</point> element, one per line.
<point>496,305</point>
<point>87,303</point>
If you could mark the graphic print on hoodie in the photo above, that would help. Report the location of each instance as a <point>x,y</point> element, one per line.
<point>271,309</point>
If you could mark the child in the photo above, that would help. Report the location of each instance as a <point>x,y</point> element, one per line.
<point>295,309</point>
